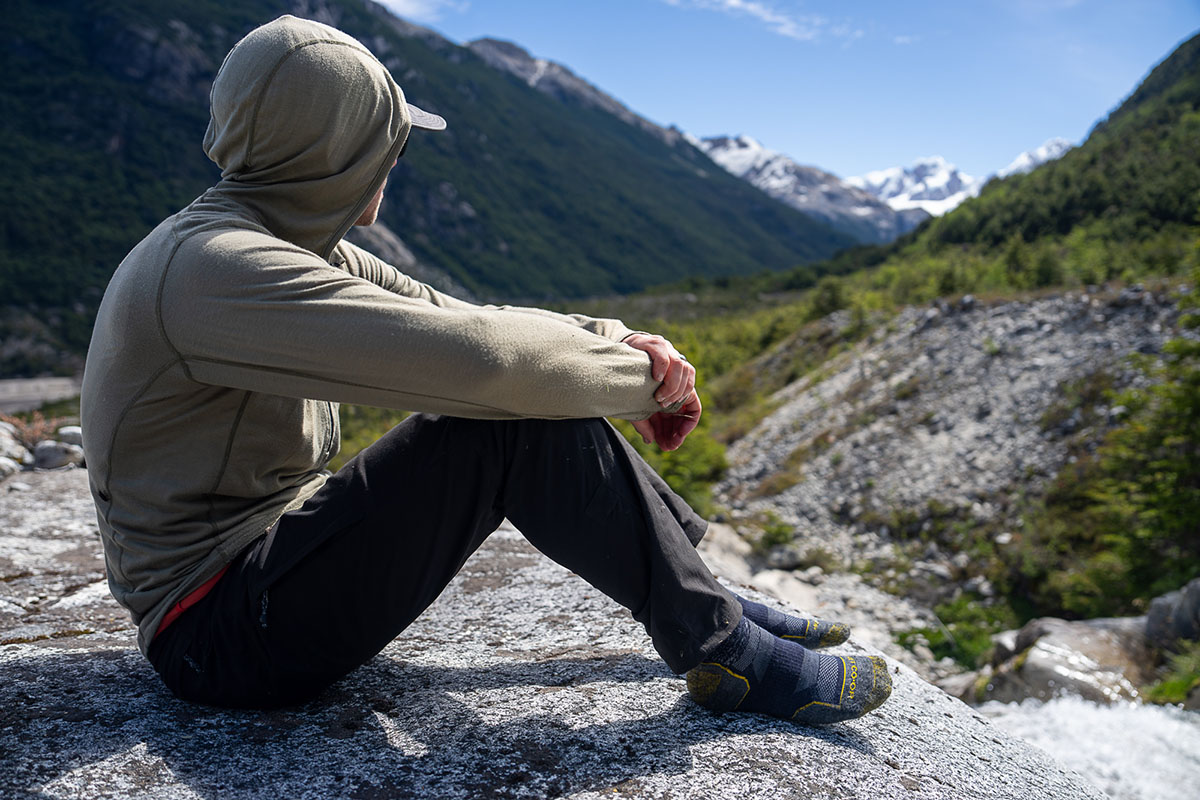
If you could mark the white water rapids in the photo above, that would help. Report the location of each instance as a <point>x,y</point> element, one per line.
<point>1129,751</point>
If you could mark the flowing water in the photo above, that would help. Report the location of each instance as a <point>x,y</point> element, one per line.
<point>1129,751</point>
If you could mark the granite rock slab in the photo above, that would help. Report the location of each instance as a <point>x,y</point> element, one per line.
<point>519,682</point>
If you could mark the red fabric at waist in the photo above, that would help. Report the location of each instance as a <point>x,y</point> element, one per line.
<point>195,596</point>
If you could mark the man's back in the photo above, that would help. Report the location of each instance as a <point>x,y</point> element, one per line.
<point>198,468</point>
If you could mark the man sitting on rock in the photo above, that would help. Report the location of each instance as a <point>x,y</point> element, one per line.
<point>222,346</point>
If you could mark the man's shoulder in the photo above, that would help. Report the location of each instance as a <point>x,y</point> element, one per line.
<point>215,244</point>
<point>228,235</point>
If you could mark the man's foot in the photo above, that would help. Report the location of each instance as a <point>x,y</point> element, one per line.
<point>753,670</point>
<point>812,633</point>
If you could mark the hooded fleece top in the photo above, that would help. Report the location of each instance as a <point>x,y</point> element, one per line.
<point>228,335</point>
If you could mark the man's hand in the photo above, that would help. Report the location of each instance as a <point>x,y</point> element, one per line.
<point>669,430</point>
<point>676,377</point>
<point>677,384</point>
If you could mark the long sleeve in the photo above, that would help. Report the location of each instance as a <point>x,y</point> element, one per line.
<point>366,265</point>
<point>246,311</point>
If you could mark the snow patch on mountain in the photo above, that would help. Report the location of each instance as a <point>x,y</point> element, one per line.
<point>932,184</point>
<point>1031,159</point>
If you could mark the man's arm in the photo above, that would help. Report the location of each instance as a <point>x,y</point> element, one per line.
<point>676,377</point>
<point>364,264</point>
<point>246,311</point>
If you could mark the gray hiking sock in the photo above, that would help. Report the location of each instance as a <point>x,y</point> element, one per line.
<point>808,631</point>
<point>752,670</point>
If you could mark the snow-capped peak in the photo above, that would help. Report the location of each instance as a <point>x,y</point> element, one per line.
<point>1027,161</point>
<point>739,155</point>
<point>931,184</point>
<point>809,189</point>
<point>935,185</point>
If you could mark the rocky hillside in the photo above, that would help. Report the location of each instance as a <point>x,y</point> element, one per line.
<point>493,692</point>
<point>947,404</point>
<point>904,464</point>
<point>944,413</point>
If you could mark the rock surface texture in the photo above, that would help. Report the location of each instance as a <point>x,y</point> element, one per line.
<point>521,681</point>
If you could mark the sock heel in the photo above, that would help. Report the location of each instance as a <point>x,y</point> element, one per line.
<point>717,688</point>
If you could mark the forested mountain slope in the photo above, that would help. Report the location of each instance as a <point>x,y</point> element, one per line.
<point>105,106</point>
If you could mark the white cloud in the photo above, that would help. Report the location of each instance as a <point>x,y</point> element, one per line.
<point>904,40</point>
<point>804,28</point>
<point>423,10</point>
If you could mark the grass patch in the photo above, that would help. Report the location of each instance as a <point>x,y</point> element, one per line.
<point>774,532</point>
<point>965,634</point>
<point>1182,678</point>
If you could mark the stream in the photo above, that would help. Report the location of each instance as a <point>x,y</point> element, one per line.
<point>1129,751</point>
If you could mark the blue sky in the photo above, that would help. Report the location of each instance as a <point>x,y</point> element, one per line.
<point>848,86</point>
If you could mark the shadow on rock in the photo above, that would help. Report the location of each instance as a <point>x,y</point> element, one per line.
<point>89,724</point>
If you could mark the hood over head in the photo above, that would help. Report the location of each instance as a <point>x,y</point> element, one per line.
<point>305,124</point>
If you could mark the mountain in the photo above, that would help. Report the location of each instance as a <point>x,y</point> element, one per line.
<point>931,184</point>
<point>561,83</point>
<point>1135,181</point>
<point>817,193</point>
<point>525,196</point>
<point>814,192</point>
<point>1123,205</point>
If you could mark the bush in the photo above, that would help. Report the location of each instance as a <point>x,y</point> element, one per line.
<point>32,428</point>
<point>1119,526</point>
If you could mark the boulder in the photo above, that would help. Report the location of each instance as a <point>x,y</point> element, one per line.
<point>10,447</point>
<point>1102,660</point>
<point>70,434</point>
<point>1175,617</point>
<point>520,681</point>
<point>8,467</point>
<point>53,455</point>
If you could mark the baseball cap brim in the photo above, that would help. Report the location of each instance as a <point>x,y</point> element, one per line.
<point>424,120</point>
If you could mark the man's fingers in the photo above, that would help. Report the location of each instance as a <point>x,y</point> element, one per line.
<point>678,383</point>
<point>660,362</point>
<point>658,348</point>
<point>645,429</point>
<point>669,390</point>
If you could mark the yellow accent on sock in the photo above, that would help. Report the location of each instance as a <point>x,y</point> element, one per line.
<point>815,703</point>
<point>849,669</point>
<point>704,685</point>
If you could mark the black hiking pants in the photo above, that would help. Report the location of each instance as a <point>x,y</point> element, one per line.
<point>333,582</point>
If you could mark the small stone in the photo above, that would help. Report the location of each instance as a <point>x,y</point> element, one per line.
<point>70,434</point>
